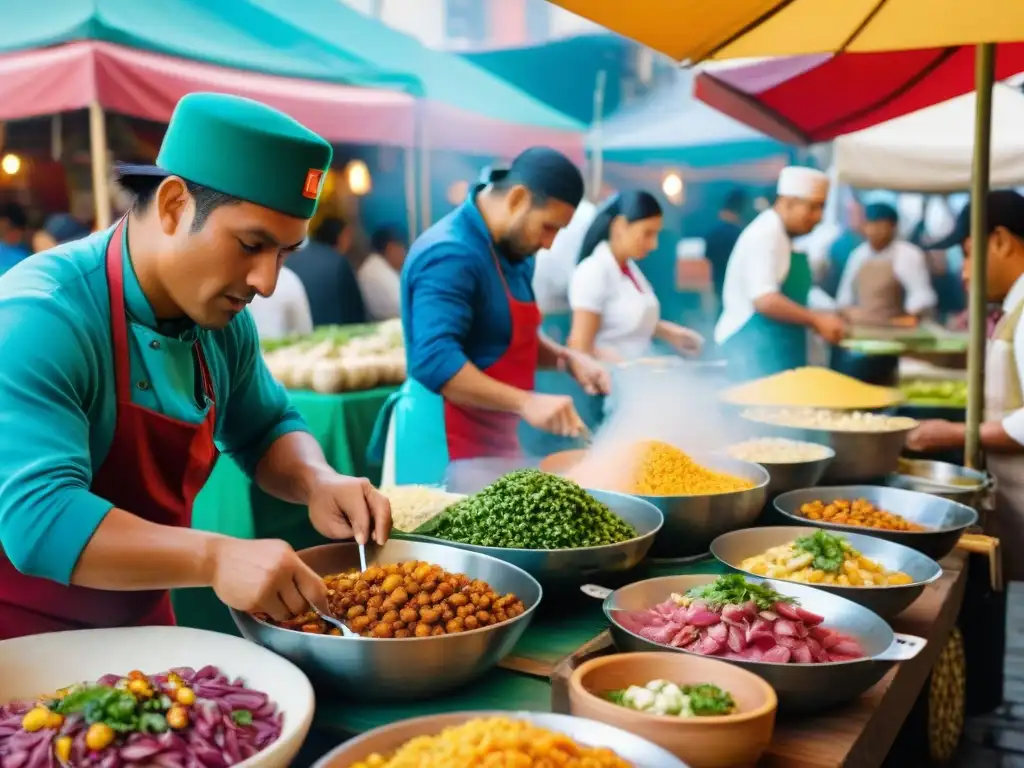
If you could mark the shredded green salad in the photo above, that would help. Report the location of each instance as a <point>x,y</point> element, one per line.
<point>827,548</point>
<point>661,697</point>
<point>733,589</point>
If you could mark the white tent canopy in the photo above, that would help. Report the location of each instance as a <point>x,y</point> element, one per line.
<point>930,150</point>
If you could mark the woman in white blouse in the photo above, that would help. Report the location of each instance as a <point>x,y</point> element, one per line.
<point>615,313</point>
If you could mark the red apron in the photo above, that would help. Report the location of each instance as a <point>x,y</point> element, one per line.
<point>155,468</point>
<point>474,432</point>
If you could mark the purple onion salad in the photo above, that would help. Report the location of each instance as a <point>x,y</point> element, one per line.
<point>176,719</point>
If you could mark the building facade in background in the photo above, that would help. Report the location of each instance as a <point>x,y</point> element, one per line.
<point>477,24</point>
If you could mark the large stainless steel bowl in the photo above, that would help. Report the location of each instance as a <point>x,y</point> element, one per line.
<point>950,481</point>
<point>387,739</point>
<point>859,455</point>
<point>400,669</point>
<point>693,522</point>
<point>800,687</point>
<point>733,548</point>
<point>557,566</point>
<point>945,520</point>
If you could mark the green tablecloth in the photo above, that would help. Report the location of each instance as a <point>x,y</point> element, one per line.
<point>229,503</point>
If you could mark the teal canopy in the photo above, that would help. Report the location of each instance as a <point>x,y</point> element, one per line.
<point>232,33</point>
<point>671,127</point>
<point>442,77</point>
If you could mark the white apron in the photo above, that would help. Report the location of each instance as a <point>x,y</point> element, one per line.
<point>1003,395</point>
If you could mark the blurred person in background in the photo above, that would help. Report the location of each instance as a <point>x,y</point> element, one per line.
<point>285,312</point>
<point>58,229</point>
<point>472,326</point>
<point>378,275</point>
<point>886,279</point>
<point>839,250</point>
<point>1002,432</point>
<point>323,267</point>
<point>615,312</point>
<point>554,266</point>
<point>13,236</point>
<point>769,301</point>
<point>722,237</point>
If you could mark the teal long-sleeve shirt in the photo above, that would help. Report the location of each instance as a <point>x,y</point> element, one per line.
<point>57,398</point>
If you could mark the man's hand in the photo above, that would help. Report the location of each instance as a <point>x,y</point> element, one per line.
<point>936,435</point>
<point>343,507</point>
<point>553,413</point>
<point>683,340</point>
<point>265,576</point>
<point>830,327</point>
<point>589,373</point>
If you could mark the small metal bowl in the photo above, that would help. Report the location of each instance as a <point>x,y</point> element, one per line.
<point>791,475</point>
<point>558,566</point>
<point>389,738</point>
<point>401,669</point>
<point>950,481</point>
<point>733,548</point>
<point>945,520</point>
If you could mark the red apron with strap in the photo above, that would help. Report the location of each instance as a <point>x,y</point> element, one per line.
<point>478,433</point>
<point>155,468</point>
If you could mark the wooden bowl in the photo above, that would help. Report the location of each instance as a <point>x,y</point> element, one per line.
<point>729,741</point>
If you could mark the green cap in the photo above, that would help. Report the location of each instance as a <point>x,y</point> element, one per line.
<point>248,150</point>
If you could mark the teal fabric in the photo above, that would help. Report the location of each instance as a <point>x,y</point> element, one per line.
<point>230,33</point>
<point>57,399</point>
<point>441,77</point>
<point>764,346</point>
<point>421,444</point>
<point>248,150</point>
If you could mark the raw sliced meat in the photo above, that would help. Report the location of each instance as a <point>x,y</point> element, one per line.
<point>751,609</point>
<point>787,611</point>
<point>737,642</point>
<point>802,655</point>
<point>709,646</point>
<point>808,618</point>
<point>784,628</point>
<point>660,635</point>
<point>720,633</point>
<point>777,655</point>
<point>769,615</point>
<point>847,647</point>
<point>734,614</point>
<point>684,637</point>
<point>700,615</point>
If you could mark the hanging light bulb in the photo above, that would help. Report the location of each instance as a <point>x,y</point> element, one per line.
<point>672,186</point>
<point>358,177</point>
<point>10,164</point>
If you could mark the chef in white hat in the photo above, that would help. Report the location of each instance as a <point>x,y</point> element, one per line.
<point>768,301</point>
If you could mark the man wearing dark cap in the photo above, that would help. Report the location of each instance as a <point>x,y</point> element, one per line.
<point>330,282</point>
<point>471,324</point>
<point>1002,433</point>
<point>886,279</point>
<point>13,230</point>
<point>130,361</point>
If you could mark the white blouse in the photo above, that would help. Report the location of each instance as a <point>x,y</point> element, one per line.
<point>629,311</point>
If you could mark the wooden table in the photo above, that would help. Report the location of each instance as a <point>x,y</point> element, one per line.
<point>859,735</point>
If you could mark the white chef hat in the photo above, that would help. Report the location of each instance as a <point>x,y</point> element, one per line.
<point>804,183</point>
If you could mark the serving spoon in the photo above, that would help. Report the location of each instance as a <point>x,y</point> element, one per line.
<point>345,631</point>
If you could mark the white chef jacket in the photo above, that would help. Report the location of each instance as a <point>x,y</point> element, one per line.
<point>1013,422</point>
<point>757,267</point>
<point>286,311</point>
<point>553,268</point>
<point>380,286</point>
<point>908,263</point>
<point>629,316</point>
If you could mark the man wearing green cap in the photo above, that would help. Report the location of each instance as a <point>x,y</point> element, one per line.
<point>130,361</point>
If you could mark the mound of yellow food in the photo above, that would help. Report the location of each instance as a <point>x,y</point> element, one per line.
<point>812,388</point>
<point>663,470</point>
<point>495,742</point>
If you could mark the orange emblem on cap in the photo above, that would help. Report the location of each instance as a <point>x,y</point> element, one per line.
<point>311,188</point>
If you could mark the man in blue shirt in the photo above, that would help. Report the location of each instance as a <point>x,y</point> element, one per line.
<point>471,323</point>
<point>130,361</point>
<point>13,230</point>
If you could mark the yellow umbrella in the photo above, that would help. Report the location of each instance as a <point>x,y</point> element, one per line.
<point>694,30</point>
<point>691,31</point>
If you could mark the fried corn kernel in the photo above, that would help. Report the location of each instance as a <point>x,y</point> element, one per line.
<point>663,470</point>
<point>495,742</point>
